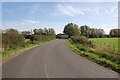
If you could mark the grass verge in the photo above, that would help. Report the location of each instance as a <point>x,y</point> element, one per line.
<point>9,53</point>
<point>106,60</point>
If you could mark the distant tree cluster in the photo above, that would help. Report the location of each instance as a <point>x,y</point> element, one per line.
<point>91,32</point>
<point>45,31</point>
<point>115,33</point>
<point>72,29</point>
<point>12,38</point>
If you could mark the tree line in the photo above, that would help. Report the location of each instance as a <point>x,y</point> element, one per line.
<point>72,29</point>
<point>12,38</point>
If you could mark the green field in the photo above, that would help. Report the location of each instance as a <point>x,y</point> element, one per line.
<point>106,42</point>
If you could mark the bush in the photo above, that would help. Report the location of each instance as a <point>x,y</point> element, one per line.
<point>43,38</point>
<point>81,40</point>
<point>12,39</point>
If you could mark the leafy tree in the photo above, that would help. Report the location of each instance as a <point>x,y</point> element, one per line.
<point>43,34</point>
<point>91,32</point>
<point>40,31</point>
<point>26,34</point>
<point>36,31</point>
<point>100,33</point>
<point>51,31</point>
<point>46,31</point>
<point>71,29</point>
<point>85,30</point>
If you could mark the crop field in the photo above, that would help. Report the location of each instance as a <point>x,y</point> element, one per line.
<point>107,42</point>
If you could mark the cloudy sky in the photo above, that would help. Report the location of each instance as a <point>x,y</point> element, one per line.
<point>30,15</point>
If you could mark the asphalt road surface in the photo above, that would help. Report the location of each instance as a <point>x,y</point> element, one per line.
<point>53,60</point>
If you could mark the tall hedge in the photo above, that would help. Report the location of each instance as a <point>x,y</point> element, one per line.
<point>11,38</point>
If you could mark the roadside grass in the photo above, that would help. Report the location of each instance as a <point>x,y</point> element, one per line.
<point>10,52</point>
<point>0,56</point>
<point>107,60</point>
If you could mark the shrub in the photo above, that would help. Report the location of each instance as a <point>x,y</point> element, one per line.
<point>12,39</point>
<point>42,38</point>
<point>81,40</point>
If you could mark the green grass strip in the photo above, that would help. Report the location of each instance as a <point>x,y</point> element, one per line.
<point>94,57</point>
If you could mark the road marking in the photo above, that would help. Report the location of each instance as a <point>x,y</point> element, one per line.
<point>45,69</point>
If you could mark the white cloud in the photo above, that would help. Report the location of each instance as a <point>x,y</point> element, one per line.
<point>32,21</point>
<point>97,10</point>
<point>71,10</point>
<point>34,8</point>
<point>67,10</point>
<point>23,23</point>
<point>113,11</point>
